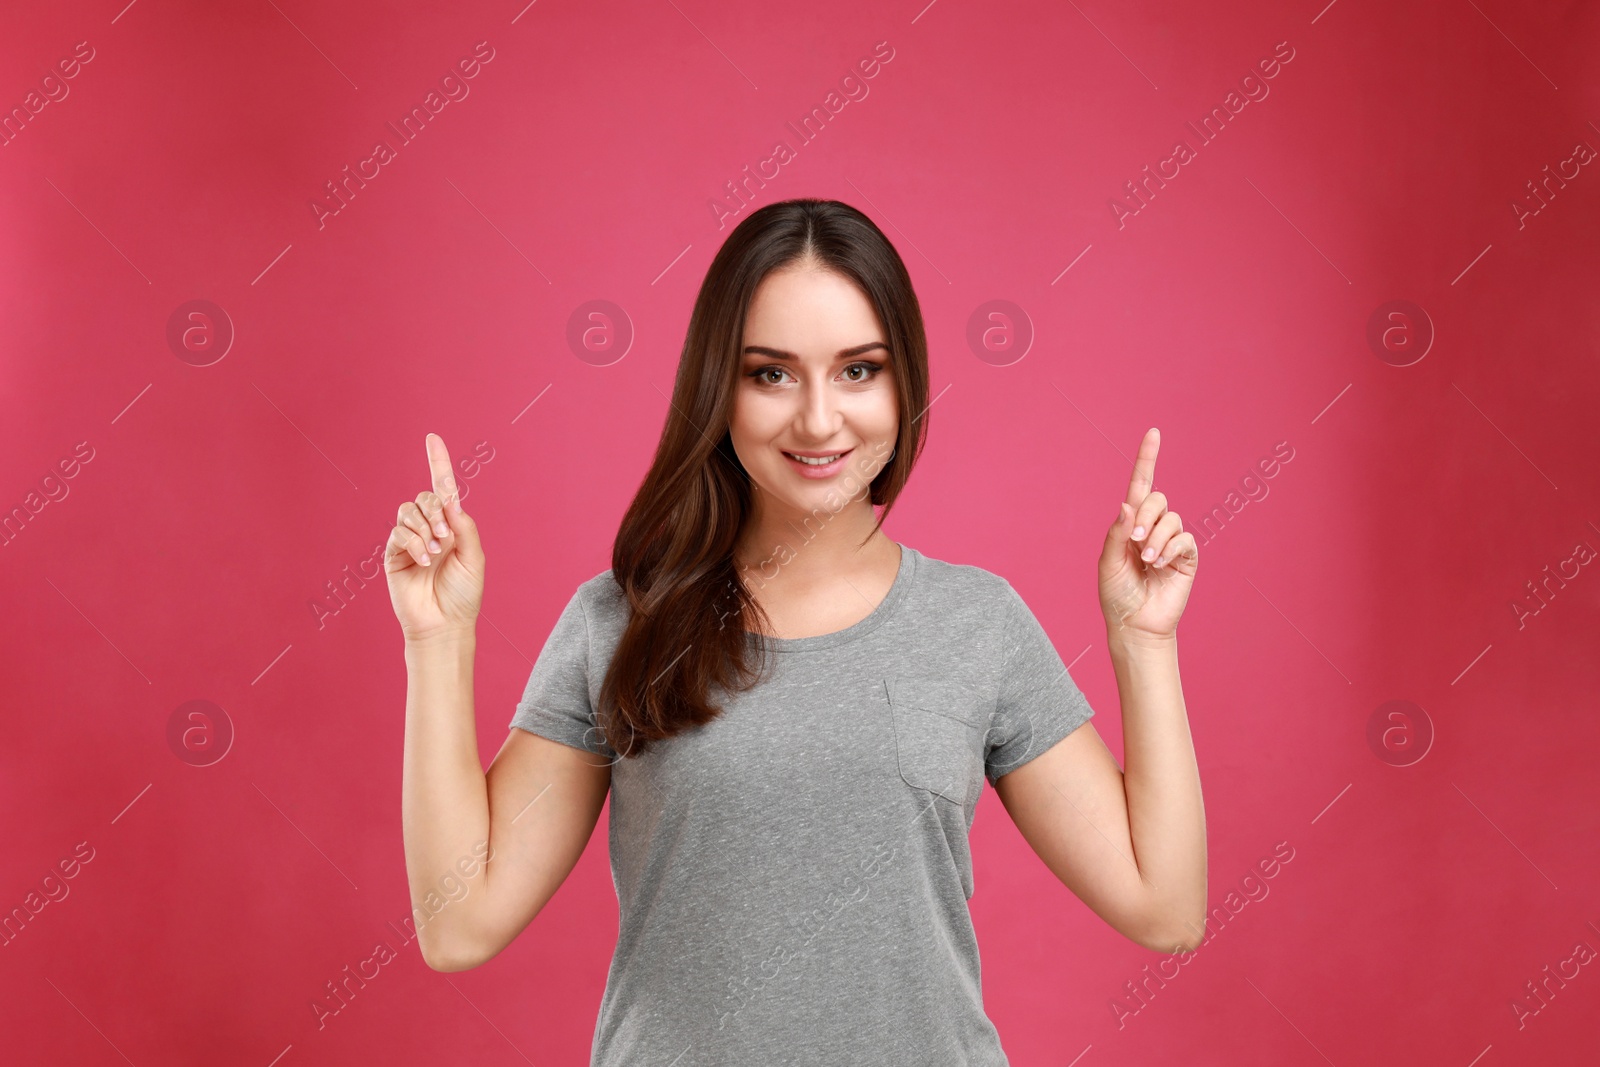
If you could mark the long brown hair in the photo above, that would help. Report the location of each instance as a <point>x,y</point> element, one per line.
<point>674,552</point>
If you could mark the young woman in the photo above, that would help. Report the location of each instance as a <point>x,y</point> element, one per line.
<point>792,713</point>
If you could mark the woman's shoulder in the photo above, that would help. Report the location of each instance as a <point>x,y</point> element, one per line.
<point>600,594</point>
<point>964,580</point>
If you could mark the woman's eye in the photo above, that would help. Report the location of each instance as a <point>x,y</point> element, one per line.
<point>867,372</point>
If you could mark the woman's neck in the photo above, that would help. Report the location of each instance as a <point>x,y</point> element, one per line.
<point>806,548</point>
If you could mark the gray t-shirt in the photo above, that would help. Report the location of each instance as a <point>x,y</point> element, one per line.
<point>792,877</point>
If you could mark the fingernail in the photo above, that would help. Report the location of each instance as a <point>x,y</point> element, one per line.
<point>1138,532</point>
<point>1148,553</point>
<point>433,546</point>
<point>440,528</point>
<point>426,562</point>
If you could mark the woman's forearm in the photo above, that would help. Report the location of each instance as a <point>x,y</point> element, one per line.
<point>444,803</point>
<point>1161,778</point>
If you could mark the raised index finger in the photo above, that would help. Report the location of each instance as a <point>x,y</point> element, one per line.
<point>444,478</point>
<point>1144,467</point>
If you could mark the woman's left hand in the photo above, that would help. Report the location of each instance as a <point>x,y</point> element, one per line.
<point>1140,594</point>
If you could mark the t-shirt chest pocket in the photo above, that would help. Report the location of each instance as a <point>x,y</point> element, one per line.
<point>939,730</point>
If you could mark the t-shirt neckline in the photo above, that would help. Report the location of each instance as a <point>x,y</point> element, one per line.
<point>886,607</point>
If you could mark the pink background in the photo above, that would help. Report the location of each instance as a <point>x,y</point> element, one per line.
<point>1383,562</point>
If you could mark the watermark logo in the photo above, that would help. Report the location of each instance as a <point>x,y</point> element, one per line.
<point>999,332</point>
<point>1542,990</point>
<point>743,191</point>
<point>199,733</point>
<point>199,332</point>
<point>1542,194</point>
<point>52,889</point>
<point>52,490</point>
<point>1140,192</point>
<point>1551,582</point>
<point>454,87</point>
<point>1400,333</point>
<point>1139,992</point>
<point>1399,733</point>
<point>1253,488</point>
<point>51,90</point>
<point>599,332</point>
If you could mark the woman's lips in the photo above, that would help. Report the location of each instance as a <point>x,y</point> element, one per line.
<point>812,470</point>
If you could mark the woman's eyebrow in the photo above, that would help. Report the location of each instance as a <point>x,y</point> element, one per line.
<point>778,353</point>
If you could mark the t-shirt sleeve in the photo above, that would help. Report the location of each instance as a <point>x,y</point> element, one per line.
<point>1038,702</point>
<point>555,703</point>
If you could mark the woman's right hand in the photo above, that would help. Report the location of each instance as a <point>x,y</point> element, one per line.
<point>435,590</point>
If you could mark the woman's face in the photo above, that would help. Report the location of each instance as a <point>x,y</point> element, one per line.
<point>814,382</point>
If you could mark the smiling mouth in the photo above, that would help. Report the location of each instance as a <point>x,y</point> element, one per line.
<point>818,461</point>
